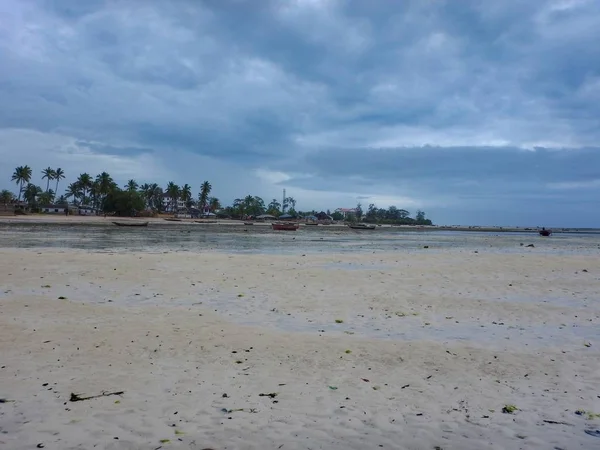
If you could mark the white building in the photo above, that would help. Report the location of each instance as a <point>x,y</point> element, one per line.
<point>54,209</point>
<point>168,204</point>
<point>346,211</point>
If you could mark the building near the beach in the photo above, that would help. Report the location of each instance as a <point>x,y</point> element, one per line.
<point>346,211</point>
<point>84,210</point>
<point>170,206</point>
<point>54,209</point>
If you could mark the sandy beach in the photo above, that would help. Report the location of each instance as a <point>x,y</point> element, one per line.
<point>337,351</point>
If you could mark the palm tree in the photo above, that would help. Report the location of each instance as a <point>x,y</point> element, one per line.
<point>31,193</point>
<point>104,185</point>
<point>59,174</point>
<point>45,198</point>
<point>85,182</point>
<point>214,204</point>
<point>21,176</point>
<point>289,202</point>
<point>203,197</point>
<point>73,190</point>
<point>274,207</point>
<point>48,173</point>
<point>62,200</point>
<point>156,197</point>
<point>145,190</point>
<point>132,186</point>
<point>186,194</point>
<point>238,206</point>
<point>6,197</point>
<point>174,193</point>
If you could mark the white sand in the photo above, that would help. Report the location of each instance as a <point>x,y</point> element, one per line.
<point>175,328</point>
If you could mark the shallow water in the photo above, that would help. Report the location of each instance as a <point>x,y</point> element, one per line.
<point>263,240</point>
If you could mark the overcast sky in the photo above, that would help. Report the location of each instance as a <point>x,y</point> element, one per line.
<point>478,112</point>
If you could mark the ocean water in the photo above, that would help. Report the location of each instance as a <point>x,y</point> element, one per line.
<point>262,240</point>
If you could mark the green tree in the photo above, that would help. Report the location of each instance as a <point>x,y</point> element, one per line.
<point>74,191</point>
<point>420,218</point>
<point>274,208</point>
<point>358,212</point>
<point>85,184</point>
<point>46,198</point>
<point>174,193</point>
<point>154,197</point>
<point>238,209</point>
<point>31,194</point>
<point>48,174</point>
<point>258,206</point>
<point>21,176</point>
<point>203,196</point>
<point>59,174</point>
<point>132,186</point>
<point>123,203</point>
<point>371,213</point>
<point>186,195</point>
<point>214,204</point>
<point>6,197</point>
<point>62,200</point>
<point>104,184</point>
<point>337,215</point>
<point>288,202</point>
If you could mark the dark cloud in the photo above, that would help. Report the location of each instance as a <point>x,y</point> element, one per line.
<point>427,102</point>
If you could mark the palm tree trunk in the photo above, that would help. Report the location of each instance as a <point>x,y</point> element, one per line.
<point>47,184</point>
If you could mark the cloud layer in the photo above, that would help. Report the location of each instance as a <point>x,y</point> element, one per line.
<point>481,112</point>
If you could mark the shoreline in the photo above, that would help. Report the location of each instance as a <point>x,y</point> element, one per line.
<point>100,220</point>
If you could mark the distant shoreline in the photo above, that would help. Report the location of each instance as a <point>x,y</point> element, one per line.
<point>101,220</point>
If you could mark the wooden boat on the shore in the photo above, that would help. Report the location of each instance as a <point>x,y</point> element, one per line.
<point>131,224</point>
<point>248,223</point>
<point>172,219</point>
<point>544,232</point>
<point>362,226</point>
<point>205,221</point>
<point>285,226</point>
<point>311,224</point>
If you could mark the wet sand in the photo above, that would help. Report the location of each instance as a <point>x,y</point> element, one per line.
<point>385,350</point>
<point>108,221</point>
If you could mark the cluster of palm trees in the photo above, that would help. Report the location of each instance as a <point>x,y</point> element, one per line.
<point>255,206</point>
<point>93,191</point>
<point>30,191</point>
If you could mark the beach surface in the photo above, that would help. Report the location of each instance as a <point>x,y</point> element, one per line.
<point>321,351</point>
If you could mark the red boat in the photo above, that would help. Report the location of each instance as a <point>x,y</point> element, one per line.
<point>544,232</point>
<point>285,226</point>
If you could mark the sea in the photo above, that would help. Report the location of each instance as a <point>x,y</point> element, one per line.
<point>186,237</point>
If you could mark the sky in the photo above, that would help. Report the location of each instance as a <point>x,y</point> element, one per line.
<point>477,112</point>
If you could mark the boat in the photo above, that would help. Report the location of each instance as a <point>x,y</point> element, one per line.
<point>248,223</point>
<point>311,224</point>
<point>205,221</point>
<point>285,226</point>
<point>544,232</point>
<point>362,226</point>
<point>172,219</point>
<point>131,224</point>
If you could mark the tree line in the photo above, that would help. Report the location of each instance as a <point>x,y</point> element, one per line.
<point>103,194</point>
